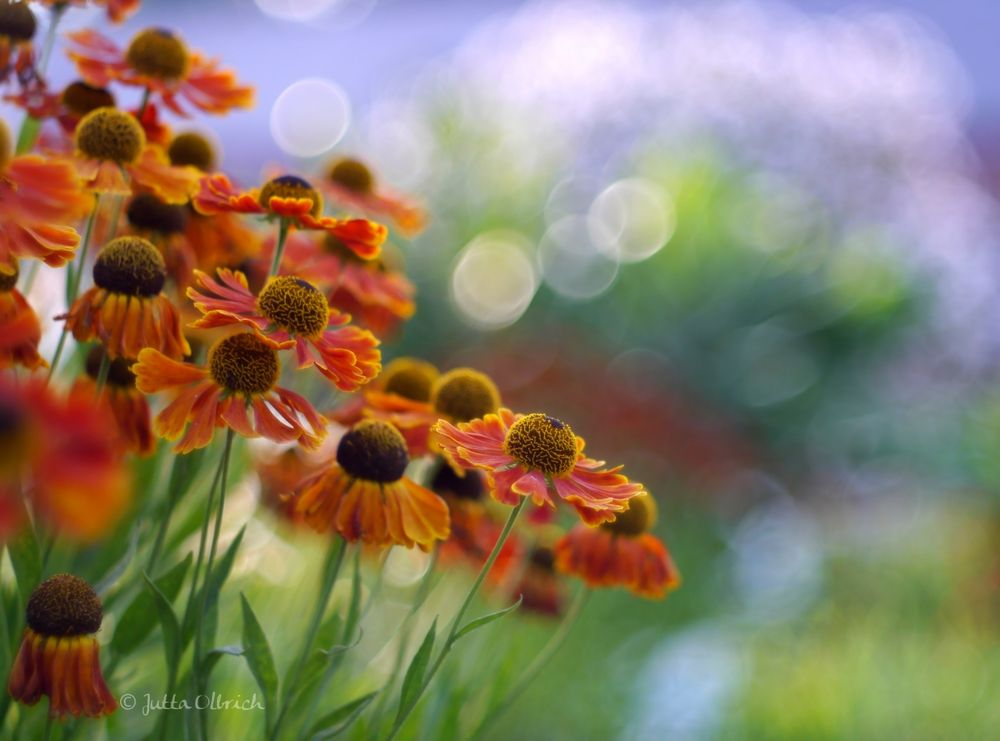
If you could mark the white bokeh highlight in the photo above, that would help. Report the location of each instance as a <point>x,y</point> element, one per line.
<point>494,280</point>
<point>310,117</point>
<point>631,219</point>
<point>572,265</point>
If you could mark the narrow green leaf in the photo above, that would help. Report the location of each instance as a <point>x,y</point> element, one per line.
<point>171,628</point>
<point>257,652</point>
<point>413,680</point>
<point>486,619</point>
<point>135,623</point>
<point>215,582</point>
<point>26,557</point>
<point>338,720</point>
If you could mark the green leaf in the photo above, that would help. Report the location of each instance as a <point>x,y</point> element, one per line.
<point>486,619</point>
<point>214,584</point>
<point>171,628</point>
<point>338,720</point>
<point>135,623</point>
<point>413,680</point>
<point>354,608</point>
<point>26,557</point>
<point>257,652</point>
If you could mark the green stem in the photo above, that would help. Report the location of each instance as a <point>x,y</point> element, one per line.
<point>30,276</point>
<point>334,558</point>
<point>279,248</point>
<point>102,374</point>
<point>199,626</point>
<point>457,622</point>
<point>73,286</point>
<point>173,494</point>
<point>143,104</point>
<point>540,661</point>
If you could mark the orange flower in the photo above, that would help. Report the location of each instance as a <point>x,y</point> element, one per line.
<point>158,61</point>
<point>125,309</point>
<point>59,654</point>
<point>351,183</point>
<point>291,312</point>
<point>378,296</point>
<point>296,202</point>
<point>363,494</point>
<point>281,475</point>
<point>67,457</point>
<point>241,377</point>
<point>128,405</point>
<point>111,144</point>
<point>537,456</point>
<point>38,199</point>
<point>20,331</point>
<point>117,10</point>
<point>620,553</point>
<point>540,587</point>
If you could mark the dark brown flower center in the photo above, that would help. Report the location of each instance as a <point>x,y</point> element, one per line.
<point>130,265</point>
<point>149,213</point>
<point>64,605</point>
<point>636,520</point>
<point>463,394</point>
<point>448,483</point>
<point>290,186</point>
<point>243,363</point>
<point>80,98</point>
<point>374,451</point>
<point>295,305</point>
<point>542,443</point>
<point>192,149</point>
<point>409,378</point>
<point>120,373</point>
<point>17,22</point>
<point>107,134</point>
<point>158,53</point>
<point>352,175</point>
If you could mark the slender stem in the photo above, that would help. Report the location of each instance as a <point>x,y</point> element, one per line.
<point>73,287</point>
<point>116,215</point>
<point>457,622</point>
<point>30,127</point>
<point>30,276</point>
<point>180,461</point>
<point>541,660</point>
<point>334,558</point>
<point>199,625</point>
<point>279,248</point>
<point>143,104</point>
<point>102,374</point>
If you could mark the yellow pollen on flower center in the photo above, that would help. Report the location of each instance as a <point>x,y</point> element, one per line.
<point>64,605</point>
<point>81,98</point>
<point>410,378</point>
<point>295,305</point>
<point>464,394</point>
<point>192,149</point>
<point>374,451</point>
<point>543,443</point>
<point>244,363</point>
<point>107,134</point>
<point>158,53</point>
<point>636,520</point>
<point>352,175</point>
<point>290,186</point>
<point>130,265</point>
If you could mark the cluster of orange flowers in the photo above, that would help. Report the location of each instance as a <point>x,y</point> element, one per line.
<point>192,310</point>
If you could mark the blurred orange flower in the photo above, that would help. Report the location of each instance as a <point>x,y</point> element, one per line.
<point>157,60</point>
<point>117,10</point>
<point>351,183</point>
<point>20,331</point>
<point>128,405</point>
